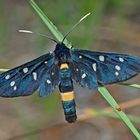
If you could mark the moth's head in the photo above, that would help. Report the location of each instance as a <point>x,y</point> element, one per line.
<point>61,52</point>
<point>61,47</point>
<point>60,44</point>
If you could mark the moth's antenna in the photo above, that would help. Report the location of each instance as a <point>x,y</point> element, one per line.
<point>75,26</point>
<point>31,32</point>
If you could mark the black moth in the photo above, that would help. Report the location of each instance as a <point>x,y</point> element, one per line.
<point>62,67</point>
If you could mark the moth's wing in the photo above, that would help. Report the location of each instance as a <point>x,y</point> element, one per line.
<point>81,71</point>
<point>103,68</point>
<point>50,80</point>
<point>26,79</point>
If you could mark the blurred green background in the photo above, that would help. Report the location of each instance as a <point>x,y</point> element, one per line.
<point>114,26</point>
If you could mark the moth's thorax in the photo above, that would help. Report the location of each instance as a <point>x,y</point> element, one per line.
<point>62,53</point>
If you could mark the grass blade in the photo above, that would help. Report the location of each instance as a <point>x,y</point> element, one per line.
<point>130,85</point>
<point>133,118</point>
<point>91,113</point>
<point>118,110</point>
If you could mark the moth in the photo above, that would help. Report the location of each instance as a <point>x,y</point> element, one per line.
<point>63,66</point>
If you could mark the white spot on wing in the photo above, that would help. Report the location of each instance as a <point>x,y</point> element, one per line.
<point>12,83</point>
<point>46,62</point>
<point>52,73</point>
<point>15,88</point>
<point>83,76</point>
<point>121,59</point>
<point>80,56</point>
<point>77,69</point>
<point>25,70</point>
<point>35,75</point>
<point>7,77</point>
<point>117,67</point>
<point>48,81</point>
<point>94,66</point>
<point>101,58</point>
<point>116,73</point>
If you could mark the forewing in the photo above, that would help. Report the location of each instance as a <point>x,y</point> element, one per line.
<point>26,79</point>
<point>83,75</point>
<point>49,81</point>
<point>103,68</point>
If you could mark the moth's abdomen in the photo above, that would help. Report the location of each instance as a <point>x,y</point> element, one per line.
<point>69,106</point>
<point>67,94</point>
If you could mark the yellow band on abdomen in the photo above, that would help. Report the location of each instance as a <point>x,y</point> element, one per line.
<point>66,96</point>
<point>65,65</point>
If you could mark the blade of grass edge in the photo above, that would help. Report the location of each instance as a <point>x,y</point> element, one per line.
<point>130,85</point>
<point>92,112</point>
<point>104,92</point>
<point>133,118</point>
